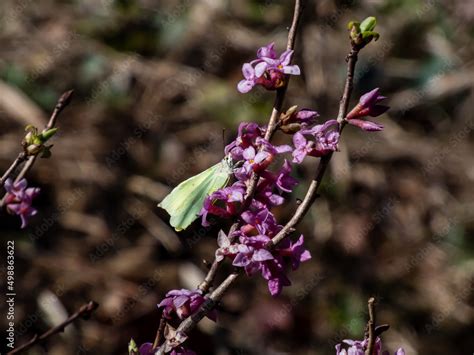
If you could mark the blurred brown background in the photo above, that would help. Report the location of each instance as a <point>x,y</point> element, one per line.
<point>155,84</point>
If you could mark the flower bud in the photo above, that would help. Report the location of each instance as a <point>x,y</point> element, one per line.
<point>368,126</point>
<point>293,119</point>
<point>33,143</point>
<point>362,34</point>
<point>368,24</point>
<point>45,135</point>
<point>368,106</point>
<point>132,347</point>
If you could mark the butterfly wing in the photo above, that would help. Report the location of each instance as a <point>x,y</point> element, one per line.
<point>186,200</point>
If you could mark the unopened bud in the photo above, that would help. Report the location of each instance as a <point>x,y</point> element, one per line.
<point>132,347</point>
<point>368,24</point>
<point>45,135</point>
<point>363,33</point>
<point>33,143</point>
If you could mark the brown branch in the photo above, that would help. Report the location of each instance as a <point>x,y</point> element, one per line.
<point>371,327</point>
<point>206,284</point>
<point>159,332</point>
<point>280,96</point>
<point>344,102</point>
<point>83,312</point>
<point>19,159</point>
<point>312,192</point>
<point>30,161</point>
<point>304,206</point>
<point>63,101</point>
<point>190,322</point>
<point>271,128</point>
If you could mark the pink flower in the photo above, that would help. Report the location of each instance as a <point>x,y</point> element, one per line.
<point>183,303</point>
<point>367,106</point>
<point>223,203</point>
<point>19,199</point>
<point>226,248</point>
<point>294,251</point>
<point>267,70</point>
<point>247,136</point>
<point>284,181</point>
<point>250,252</point>
<point>323,140</point>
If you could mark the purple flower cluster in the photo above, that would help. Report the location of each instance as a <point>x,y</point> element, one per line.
<point>250,253</point>
<point>357,347</point>
<point>183,303</point>
<point>247,246</point>
<point>19,199</point>
<point>316,141</point>
<point>368,106</point>
<point>267,70</point>
<point>254,154</point>
<point>250,247</point>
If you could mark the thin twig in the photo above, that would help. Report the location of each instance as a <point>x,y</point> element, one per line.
<point>159,332</point>
<point>344,102</point>
<point>207,282</point>
<point>304,206</point>
<point>83,312</point>
<point>279,99</point>
<point>190,322</point>
<point>28,165</point>
<point>312,192</point>
<point>63,101</point>
<point>371,327</point>
<point>271,128</point>
<point>19,159</point>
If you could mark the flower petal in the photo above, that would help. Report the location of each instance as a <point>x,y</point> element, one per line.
<point>241,260</point>
<point>285,57</point>
<point>267,51</point>
<point>222,240</point>
<point>261,156</point>
<point>248,71</point>
<point>262,255</point>
<point>366,125</point>
<point>249,153</point>
<point>180,300</point>
<point>260,69</point>
<point>292,69</point>
<point>369,98</point>
<point>283,149</point>
<point>299,140</point>
<point>245,86</point>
